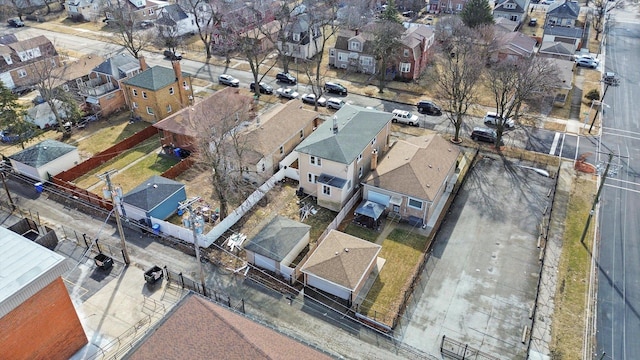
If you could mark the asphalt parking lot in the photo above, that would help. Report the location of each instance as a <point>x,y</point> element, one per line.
<point>481,280</point>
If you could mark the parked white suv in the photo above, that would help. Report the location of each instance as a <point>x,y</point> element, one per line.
<point>405,117</point>
<point>491,119</point>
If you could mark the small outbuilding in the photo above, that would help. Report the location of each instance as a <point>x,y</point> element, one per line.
<point>156,197</point>
<point>277,245</point>
<point>341,265</point>
<point>47,158</point>
<point>42,115</point>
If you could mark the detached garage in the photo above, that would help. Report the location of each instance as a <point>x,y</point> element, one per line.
<point>277,245</point>
<point>48,158</point>
<point>157,197</point>
<point>340,265</point>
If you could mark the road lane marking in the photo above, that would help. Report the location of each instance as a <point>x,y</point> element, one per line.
<point>554,145</point>
<point>622,188</point>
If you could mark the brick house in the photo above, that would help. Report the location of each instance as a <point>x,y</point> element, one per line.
<point>157,92</point>
<point>103,91</point>
<point>37,317</point>
<point>335,158</point>
<point>22,62</point>
<point>413,57</point>
<point>353,50</point>
<point>413,177</point>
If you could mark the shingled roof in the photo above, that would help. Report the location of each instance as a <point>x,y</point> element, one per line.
<point>566,9</point>
<point>278,238</point>
<point>416,167</point>
<point>42,153</point>
<point>342,259</point>
<point>118,66</point>
<point>154,78</point>
<point>357,126</point>
<point>152,192</point>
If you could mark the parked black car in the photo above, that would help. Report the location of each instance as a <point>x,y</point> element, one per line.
<point>335,88</point>
<point>484,134</point>
<point>15,22</point>
<point>172,55</point>
<point>286,78</point>
<point>429,108</point>
<point>264,88</point>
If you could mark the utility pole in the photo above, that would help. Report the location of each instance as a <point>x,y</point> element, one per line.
<point>595,201</point>
<point>186,205</point>
<point>609,79</point>
<point>6,188</point>
<point>106,176</point>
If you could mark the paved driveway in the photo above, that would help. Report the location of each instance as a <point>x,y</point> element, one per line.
<point>481,279</point>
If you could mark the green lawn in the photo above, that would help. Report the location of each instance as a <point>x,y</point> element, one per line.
<point>120,162</point>
<point>403,251</point>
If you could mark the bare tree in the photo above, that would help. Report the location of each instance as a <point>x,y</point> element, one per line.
<point>129,35</point>
<point>220,146</point>
<point>387,33</point>
<point>458,69</point>
<point>207,15</point>
<point>355,14</point>
<point>599,13</point>
<point>256,49</point>
<point>169,38</point>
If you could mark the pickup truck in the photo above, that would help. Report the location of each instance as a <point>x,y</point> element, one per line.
<point>287,93</point>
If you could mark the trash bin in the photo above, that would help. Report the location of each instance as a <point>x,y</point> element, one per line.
<point>176,152</point>
<point>153,275</point>
<point>103,261</point>
<point>39,187</point>
<point>156,229</point>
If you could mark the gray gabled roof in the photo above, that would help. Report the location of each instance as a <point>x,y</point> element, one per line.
<point>42,153</point>
<point>154,78</point>
<point>570,32</point>
<point>174,12</point>
<point>118,66</point>
<point>566,9</point>
<point>278,238</point>
<point>152,192</point>
<point>357,126</point>
<point>501,7</point>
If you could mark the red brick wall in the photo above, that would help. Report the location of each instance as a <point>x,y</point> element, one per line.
<point>44,327</point>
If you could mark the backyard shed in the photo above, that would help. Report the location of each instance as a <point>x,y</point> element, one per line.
<point>47,158</point>
<point>277,245</point>
<point>42,115</point>
<point>156,197</point>
<point>340,265</point>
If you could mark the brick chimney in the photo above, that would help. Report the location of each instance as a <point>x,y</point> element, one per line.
<point>177,70</point>
<point>143,63</point>
<point>374,159</point>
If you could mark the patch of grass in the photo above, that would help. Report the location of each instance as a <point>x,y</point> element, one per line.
<point>573,273</point>
<point>148,166</point>
<point>118,128</point>
<point>402,251</point>
<point>361,232</point>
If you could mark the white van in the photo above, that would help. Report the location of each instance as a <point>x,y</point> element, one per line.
<point>335,103</point>
<point>405,117</point>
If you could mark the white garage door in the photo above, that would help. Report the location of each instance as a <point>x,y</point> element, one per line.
<point>328,287</point>
<point>265,263</point>
<point>379,198</point>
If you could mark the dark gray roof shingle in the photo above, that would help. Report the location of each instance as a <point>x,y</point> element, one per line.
<point>278,238</point>
<point>117,66</point>
<point>154,78</point>
<point>152,192</point>
<point>42,153</point>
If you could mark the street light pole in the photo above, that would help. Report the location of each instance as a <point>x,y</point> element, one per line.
<point>186,205</point>
<point>606,87</point>
<point>107,178</point>
<point>597,198</point>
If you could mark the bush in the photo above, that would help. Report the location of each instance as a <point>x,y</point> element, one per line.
<point>593,94</point>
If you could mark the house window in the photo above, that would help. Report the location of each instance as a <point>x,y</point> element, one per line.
<point>8,60</point>
<point>185,85</point>
<point>342,57</point>
<point>326,189</point>
<point>301,134</point>
<point>373,142</point>
<point>263,167</point>
<point>134,105</point>
<point>149,110</point>
<point>151,11</point>
<point>315,161</point>
<point>348,184</point>
<point>513,18</point>
<point>332,52</point>
<point>405,67</point>
<point>22,73</point>
<point>459,7</point>
<point>134,92</point>
<point>65,87</point>
<point>281,150</point>
<point>168,108</point>
<point>366,61</point>
<point>144,94</point>
<point>171,91</point>
<point>354,45</point>
<point>359,157</point>
<point>311,178</point>
<point>406,53</point>
<point>360,172</point>
<point>296,37</point>
<point>416,204</point>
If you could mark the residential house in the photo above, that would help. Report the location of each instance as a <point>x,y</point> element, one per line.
<point>414,54</point>
<point>560,34</point>
<point>504,24</point>
<point>514,10</point>
<point>353,50</point>
<point>335,158</point>
<point>513,45</point>
<point>240,17</point>
<point>557,50</point>
<point>300,38</point>
<point>43,116</point>
<point>340,265</point>
<point>157,92</point>
<point>44,159</point>
<point>24,62</point>
<point>139,10</point>
<point>413,178</point>
<point>156,197</point>
<point>181,129</point>
<point>103,91</point>
<point>174,21</point>
<point>274,136</point>
<point>562,13</point>
<point>451,6</point>
<point>84,10</point>
<point>71,75</point>
<point>229,333</point>
<point>565,80</point>
<point>277,245</point>
<point>262,38</point>
<point>35,302</point>
<point>433,6</point>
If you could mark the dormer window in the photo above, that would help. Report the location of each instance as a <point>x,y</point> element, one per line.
<point>354,45</point>
<point>7,59</point>
<point>296,37</point>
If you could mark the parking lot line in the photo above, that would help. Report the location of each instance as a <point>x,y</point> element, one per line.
<point>554,145</point>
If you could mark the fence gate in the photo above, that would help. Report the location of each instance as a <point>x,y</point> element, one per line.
<point>458,350</point>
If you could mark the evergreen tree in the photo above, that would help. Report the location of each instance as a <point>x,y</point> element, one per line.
<point>476,13</point>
